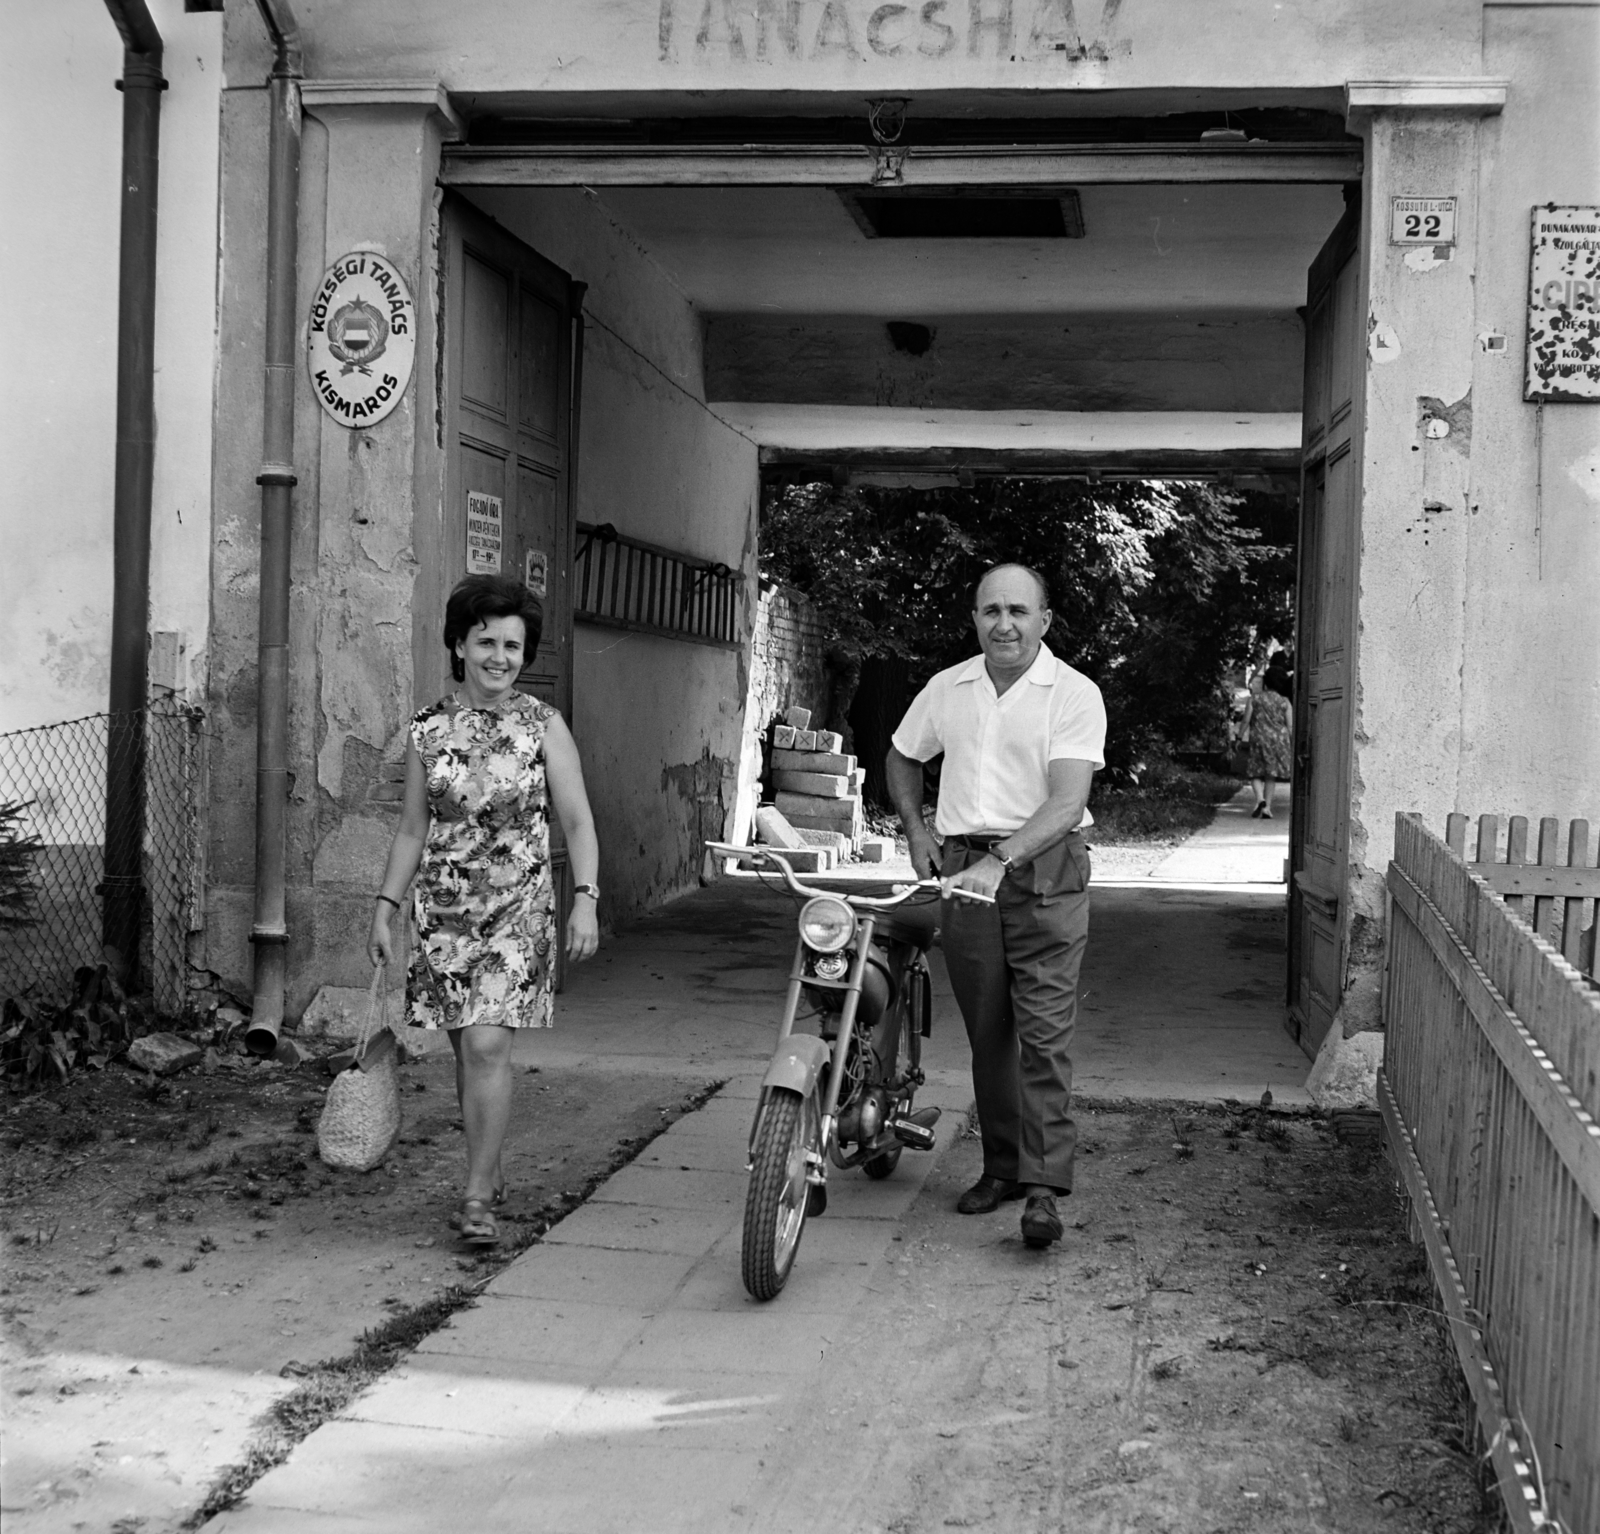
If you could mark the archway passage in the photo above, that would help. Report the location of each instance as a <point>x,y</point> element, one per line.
<point>1113,297</point>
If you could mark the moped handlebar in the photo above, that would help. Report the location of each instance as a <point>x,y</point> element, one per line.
<point>903,892</point>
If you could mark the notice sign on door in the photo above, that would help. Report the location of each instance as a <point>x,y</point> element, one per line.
<point>1422,221</point>
<point>536,572</point>
<point>485,526</point>
<point>1564,305</point>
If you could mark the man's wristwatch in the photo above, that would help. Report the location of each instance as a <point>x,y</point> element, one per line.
<point>591,890</point>
<point>1002,858</point>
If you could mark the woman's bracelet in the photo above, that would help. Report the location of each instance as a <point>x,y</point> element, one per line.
<point>390,899</point>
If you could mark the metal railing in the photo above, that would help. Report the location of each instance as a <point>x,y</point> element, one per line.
<point>1490,1092</point>
<point>625,583</point>
<point>146,903</point>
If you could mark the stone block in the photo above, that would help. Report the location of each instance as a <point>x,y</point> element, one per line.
<point>823,823</point>
<point>829,740</point>
<point>774,830</point>
<point>800,718</point>
<point>805,740</point>
<point>814,814</point>
<point>337,1012</point>
<point>813,761</point>
<point>823,785</point>
<point>1345,1073</point>
<point>803,860</point>
<point>877,849</point>
<point>164,1053</point>
<point>836,841</point>
<point>354,852</point>
<point>783,737</point>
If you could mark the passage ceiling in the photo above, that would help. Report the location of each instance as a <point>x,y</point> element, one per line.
<point>796,251</point>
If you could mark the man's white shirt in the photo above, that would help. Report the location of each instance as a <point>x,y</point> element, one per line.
<point>998,748</point>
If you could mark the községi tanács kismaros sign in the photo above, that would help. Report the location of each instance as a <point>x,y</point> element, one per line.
<point>361,339</point>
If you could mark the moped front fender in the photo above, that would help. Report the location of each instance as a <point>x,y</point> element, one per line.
<point>798,1063</point>
<point>797,1066</point>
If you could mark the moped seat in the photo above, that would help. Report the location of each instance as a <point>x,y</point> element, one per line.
<point>915,924</point>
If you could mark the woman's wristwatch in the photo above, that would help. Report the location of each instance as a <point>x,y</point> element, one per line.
<point>591,890</point>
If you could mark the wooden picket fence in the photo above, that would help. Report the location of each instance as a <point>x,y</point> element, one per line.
<point>1490,1094</point>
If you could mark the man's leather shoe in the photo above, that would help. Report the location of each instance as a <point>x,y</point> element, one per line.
<point>986,1195</point>
<point>1040,1223</point>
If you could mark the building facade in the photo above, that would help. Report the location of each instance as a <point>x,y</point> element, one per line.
<point>654,248</point>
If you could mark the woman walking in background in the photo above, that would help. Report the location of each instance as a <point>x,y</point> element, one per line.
<point>484,767</point>
<point>1268,735</point>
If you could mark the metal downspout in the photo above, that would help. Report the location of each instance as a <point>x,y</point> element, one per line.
<point>269,932</point>
<point>141,86</point>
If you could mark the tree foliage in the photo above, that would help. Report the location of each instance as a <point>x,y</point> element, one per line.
<point>1157,587</point>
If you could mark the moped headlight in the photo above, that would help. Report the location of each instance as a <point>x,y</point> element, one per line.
<point>826,924</point>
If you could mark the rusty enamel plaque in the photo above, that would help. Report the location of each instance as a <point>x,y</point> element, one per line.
<point>1564,305</point>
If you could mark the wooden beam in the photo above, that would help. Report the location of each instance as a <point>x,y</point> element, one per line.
<point>846,165</point>
<point>1541,879</point>
<point>1146,463</point>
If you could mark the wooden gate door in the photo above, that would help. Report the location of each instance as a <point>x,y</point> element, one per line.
<point>1319,833</point>
<point>511,335</point>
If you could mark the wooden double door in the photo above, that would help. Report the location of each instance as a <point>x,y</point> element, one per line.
<point>510,325</point>
<point>511,338</point>
<point>1325,628</point>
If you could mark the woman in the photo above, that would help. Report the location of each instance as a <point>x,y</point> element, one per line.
<point>484,766</point>
<point>1269,739</point>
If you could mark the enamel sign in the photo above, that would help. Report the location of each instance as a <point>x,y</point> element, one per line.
<point>485,529</point>
<point>1422,221</point>
<point>1564,305</point>
<point>361,338</point>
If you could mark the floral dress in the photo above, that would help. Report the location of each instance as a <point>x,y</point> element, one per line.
<point>1271,743</point>
<point>484,900</point>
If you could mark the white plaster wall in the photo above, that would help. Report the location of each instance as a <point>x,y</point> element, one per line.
<point>1479,644</point>
<point>542,47</point>
<point>61,127</point>
<point>657,720</point>
<point>1530,724</point>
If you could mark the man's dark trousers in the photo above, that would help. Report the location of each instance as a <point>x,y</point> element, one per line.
<point>1014,968</point>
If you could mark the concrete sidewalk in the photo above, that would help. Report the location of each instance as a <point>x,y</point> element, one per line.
<point>1233,849</point>
<point>616,1376</point>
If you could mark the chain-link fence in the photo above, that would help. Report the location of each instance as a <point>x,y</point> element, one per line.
<point>111,805</point>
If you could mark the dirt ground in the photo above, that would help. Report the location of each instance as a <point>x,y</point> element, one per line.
<point>176,1256</point>
<point>1235,1335</point>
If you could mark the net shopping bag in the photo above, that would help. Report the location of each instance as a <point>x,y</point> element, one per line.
<point>361,1117</point>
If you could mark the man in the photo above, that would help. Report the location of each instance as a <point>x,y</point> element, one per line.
<point>1022,734</point>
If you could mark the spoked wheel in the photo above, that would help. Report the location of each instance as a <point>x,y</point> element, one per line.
<point>776,1206</point>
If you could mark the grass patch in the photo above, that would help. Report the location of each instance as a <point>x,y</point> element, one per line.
<point>1167,803</point>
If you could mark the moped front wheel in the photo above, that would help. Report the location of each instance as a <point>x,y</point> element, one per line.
<point>775,1206</point>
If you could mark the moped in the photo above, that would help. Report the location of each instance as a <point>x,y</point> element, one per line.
<point>843,1093</point>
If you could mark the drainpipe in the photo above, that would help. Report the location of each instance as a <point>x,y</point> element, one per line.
<point>270,932</point>
<point>141,86</point>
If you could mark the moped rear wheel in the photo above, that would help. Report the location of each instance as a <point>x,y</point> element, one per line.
<point>883,1164</point>
<point>776,1205</point>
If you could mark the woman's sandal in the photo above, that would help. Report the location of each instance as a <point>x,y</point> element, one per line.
<point>477,1224</point>
<point>496,1201</point>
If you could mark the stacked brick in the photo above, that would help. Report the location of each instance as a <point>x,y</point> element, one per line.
<point>815,790</point>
